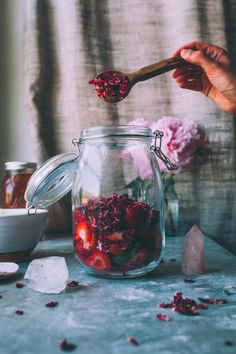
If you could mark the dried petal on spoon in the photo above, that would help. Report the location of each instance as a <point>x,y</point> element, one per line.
<point>111,86</point>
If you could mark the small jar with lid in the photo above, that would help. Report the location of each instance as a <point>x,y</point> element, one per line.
<point>14,183</point>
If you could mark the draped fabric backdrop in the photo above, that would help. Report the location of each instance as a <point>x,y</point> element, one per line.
<point>68,42</point>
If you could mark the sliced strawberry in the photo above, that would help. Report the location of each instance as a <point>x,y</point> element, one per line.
<point>137,215</point>
<point>139,259</point>
<point>116,249</point>
<point>84,240</point>
<point>99,260</point>
<point>83,248</point>
<point>116,236</point>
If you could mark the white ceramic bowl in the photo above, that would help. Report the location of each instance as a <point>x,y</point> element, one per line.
<point>20,233</point>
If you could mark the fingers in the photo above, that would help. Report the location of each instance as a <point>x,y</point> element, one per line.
<point>198,58</point>
<point>212,52</point>
<point>191,85</point>
<point>198,46</point>
<point>189,78</point>
<point>192,45</point>
<point>187,73</point>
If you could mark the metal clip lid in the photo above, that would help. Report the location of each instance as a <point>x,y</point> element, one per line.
<point>159,153</point>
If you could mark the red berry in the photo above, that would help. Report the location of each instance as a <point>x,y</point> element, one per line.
<point>99,260</point>
<point>137,215</point>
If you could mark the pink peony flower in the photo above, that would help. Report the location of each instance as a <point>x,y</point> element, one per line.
<point>184,142</point>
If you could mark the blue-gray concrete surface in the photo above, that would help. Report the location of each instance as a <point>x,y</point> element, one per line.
<point>100,314</point>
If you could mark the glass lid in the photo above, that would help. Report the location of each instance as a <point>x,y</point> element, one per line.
<point>52,181</point>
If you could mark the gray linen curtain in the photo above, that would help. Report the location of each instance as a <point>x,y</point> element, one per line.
<point>68,42</point>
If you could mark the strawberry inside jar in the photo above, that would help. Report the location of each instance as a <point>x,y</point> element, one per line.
<point>116,234</point>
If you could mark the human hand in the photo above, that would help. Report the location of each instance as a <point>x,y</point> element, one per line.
<point>210,72</point>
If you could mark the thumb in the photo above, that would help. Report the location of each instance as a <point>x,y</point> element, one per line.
<point>197,57</point>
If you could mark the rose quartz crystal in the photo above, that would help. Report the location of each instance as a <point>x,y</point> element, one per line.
<point>193,255</point>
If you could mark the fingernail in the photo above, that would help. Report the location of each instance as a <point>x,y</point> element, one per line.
<point>185,53</point>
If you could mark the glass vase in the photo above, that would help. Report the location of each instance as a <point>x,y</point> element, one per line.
<point>171,204</point>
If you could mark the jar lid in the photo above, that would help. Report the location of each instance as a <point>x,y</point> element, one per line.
<point>20,166</point>
<point>52,181</point>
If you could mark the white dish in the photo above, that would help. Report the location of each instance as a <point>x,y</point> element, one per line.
<point>8,269</point>
<point>20,232</point>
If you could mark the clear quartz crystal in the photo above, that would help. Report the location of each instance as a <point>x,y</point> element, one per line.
<point>48,275</point>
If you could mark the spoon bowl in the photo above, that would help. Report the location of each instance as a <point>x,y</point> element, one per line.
<point>114,86</point>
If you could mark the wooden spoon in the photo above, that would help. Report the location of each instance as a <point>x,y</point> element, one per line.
<point>114,86</point>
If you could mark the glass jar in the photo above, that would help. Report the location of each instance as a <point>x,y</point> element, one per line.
<point>117,199</point>
<point>14,183</point>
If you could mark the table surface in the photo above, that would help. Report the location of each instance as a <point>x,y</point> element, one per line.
<point>100,314</point>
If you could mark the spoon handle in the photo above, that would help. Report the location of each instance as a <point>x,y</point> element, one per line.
<point>155,69</point>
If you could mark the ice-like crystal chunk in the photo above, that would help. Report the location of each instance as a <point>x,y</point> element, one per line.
<point>48,275</point>
<point>193,255</point>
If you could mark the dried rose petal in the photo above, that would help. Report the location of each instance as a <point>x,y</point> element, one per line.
<point>67,346</point>
<point>184,306</point>
<point>177,297</point>
<point>19,285</point>
<point>19,312</point>
<point>52,304</point>
<point>132,340</point>
<point>104,214</point>
<point>163,317</point>
<point>202,306</point>
<point>110,84</point>
<point>137,214</point>
<point>73,284</point>
<point>189,311</point>
<point>212,301</point>
<point>165,306</point>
